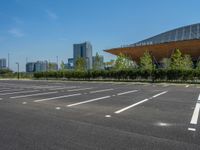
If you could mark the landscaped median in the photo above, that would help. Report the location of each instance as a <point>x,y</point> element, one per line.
<point>155,75</point>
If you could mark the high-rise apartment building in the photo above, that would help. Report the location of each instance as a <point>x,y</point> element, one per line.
<point>83,50</point>
<point>30,67</point>
<point>2,63</point>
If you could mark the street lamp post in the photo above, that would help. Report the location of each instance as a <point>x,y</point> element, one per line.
<point>17,70</point>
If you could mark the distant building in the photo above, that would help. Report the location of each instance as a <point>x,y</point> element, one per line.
<point>100,63</point>
<point>83,50</point>
<point>70,63</point>
<point>41,66</point>
<point>186,39</point>
<point>30,67</point>
<point>2,63</point>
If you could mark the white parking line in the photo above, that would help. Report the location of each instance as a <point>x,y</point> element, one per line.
<point>88,101</point>
<point>19,92</point>
<point>59,97</point>
<point>79,89</point>
<point>92,92</point>
<point>126,92</point>
<point>63,88</point>
<point>191,129</point>
<point>12,90</point>
<point>199,98</point>
<point>195,114</point>
<point>138,103</point>
<point>37,94</point>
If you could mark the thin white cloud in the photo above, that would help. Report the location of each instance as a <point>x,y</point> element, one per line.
<point>51,14</point>
<point>16,32</point>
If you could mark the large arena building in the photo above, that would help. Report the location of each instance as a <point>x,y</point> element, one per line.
<point>186,39</point>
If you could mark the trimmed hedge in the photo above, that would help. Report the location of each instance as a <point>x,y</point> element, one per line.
<point>133,74</point>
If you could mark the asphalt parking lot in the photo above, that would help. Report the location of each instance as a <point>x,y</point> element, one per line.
<point>42,115</point>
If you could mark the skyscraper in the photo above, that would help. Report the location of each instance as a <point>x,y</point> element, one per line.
<point>83,50</point>
<point>2,63</point>
<point>30,67</point>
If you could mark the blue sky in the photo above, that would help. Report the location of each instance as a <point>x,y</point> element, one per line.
<point>44,29</point>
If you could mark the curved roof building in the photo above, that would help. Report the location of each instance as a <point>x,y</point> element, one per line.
<point>186,38</point>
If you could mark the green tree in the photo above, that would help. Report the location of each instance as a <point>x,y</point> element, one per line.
<point>146,61</point>
<point>80,64</point>
<point>177,60</point>
<point>166,63</point>
<point>109,65</point>
<point>97,65</point>
<point>62,65</point>
<point>123,62</point>
<point>51,66</point>
<point>187,62</point>
<point>5,71</point>
<point>198,65</point>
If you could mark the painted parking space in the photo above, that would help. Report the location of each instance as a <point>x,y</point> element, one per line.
<point>166,112</point>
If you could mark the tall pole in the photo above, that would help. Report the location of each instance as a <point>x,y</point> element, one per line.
<point>57,61</point>
<point>8,61</point>
<point>17,70</point>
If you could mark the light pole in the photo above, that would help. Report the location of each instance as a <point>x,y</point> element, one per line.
<point>17,70</point>
<point>8,60</point>
<point>57,62</point>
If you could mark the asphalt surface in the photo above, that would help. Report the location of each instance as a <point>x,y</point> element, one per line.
<point>42,115</point>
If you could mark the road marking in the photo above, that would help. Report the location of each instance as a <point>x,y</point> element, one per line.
<point>192,129</point>
<point>163,124</point>
<point>13,90</point>
<point>158,94</point>
<point>138,103</point>
<point>37,94</point>
<point>187,86</point>
<point>79,89</point>
<point>59,97</point>
<point>24,103</point>
<point>88,101</point>
<point>195,114</point>
<point>19,92</point>
<point>126,92</point>
<point>99,91</point>
<point>63,88</point>
<point>58,108</point>
<point>199,98</point>
<point>0,99</point>
<point>107,116</point>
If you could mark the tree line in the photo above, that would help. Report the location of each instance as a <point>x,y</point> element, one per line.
<point>178,68</point>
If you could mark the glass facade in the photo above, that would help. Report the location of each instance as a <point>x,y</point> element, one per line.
<point>184,33</point>
<point>83,50</point>
<point>3,63</point>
